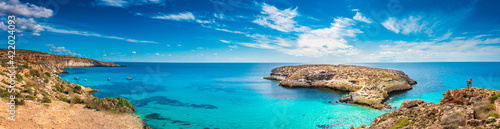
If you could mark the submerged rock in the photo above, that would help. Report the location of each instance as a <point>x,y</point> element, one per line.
<point>369,86</point>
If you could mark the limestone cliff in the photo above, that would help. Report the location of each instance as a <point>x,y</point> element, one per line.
<point>460,108</point>
<point>366,85</point>
<point>55,63</point>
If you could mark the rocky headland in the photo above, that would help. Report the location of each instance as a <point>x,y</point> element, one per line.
<point>458,109</point>
<point>368,86</point>
<point>45,101</point>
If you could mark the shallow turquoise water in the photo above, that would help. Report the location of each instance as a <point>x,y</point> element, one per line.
<point>234,95</point>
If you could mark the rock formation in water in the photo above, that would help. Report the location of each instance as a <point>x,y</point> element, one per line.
<point>461,108</point>
<point>370,86</point>
<point>37,83</point>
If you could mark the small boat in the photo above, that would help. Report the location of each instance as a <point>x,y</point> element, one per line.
<point>66,79</point>
<point>109,79</point>
<point>85,79</point>
<point>129,78</point>
<point>76,78</point>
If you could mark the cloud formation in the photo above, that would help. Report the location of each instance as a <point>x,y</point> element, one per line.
<point>362,18</point>
<point>25,25</point>
<point>92,34</point>
<point>281,20</point>
<point>61,50</point>
<point>127,3</point>
<point>28,10</point>
<point>456,49</point>
<point>186,16</point>
<point>406,25</point>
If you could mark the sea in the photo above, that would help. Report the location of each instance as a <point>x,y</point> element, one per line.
<point>234,95</point>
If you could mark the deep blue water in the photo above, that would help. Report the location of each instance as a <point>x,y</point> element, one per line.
<point>234,95</point>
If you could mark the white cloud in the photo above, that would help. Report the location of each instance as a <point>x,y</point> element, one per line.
<point>225,41</point>
<point>215,54</point>
<point>25,25</point>
<point>187,16</point>
<point>230,31</point>
<point>327,41</point>
<point>360,17</point>
<point>219,15</point>
<point>333,40</point>
<point>127,3</point>
<point>405,25</point>
<point>92,34</point>
<point>134,52</point>
<point>61,50</point>
<point>281,20</point>
<point>157,54</point>
<point>202,21</point>
<point>233,46</point>
<point>457,49</point>
<point>28,10</point>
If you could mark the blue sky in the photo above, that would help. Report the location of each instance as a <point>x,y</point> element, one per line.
<point>349,31</point>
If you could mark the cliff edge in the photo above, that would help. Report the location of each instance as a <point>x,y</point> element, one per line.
<point>43,100</point>
<point>460,108</point>
<point>370,86</point>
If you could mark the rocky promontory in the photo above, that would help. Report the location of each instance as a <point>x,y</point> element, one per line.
<point>459,109</point>
<point>369,86</point>
<point>43,100</point>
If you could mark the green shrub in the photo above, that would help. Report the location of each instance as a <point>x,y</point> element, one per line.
<point>78,88</point>
<point>35,73</point>
<point>60,87</point>
<point>76,100</point>
<point>46,100</point>
<point>493,114</point>
<point>493,98</point>
<point>31,97</point>
<point>124,102</point>
<point>47,74</point>
<point>64,99</point>
<point>401,123</point>
<point>19,78</point>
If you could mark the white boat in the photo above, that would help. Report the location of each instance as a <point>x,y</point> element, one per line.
<point>76,78</point>
<point>129,78</point>
<point>109,79</point>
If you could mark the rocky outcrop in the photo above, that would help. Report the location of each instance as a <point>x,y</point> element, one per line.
<point>460,108</point>
<point>370,86</point>
<point>55,63</point>
<point>37,83</point>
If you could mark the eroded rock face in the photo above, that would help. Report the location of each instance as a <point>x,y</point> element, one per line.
<point>456,110</point>
<point>366,85</point>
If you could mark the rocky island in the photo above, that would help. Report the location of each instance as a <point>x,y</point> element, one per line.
<point>45,101</point>
<point>461,108</point>
<point>368,86</point>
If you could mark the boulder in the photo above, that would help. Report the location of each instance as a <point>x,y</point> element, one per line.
<point>412,103</point>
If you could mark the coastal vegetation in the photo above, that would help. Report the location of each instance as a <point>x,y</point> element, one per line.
<point>368,86</point>
<point>459,108</point>
<point>38,82</point>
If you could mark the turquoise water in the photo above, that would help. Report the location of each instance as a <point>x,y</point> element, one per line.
<point>234,95</point>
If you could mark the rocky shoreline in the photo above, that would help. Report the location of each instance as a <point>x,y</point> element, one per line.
<point>367,86</point>
<point>37,83</point>
<point>460,108</point>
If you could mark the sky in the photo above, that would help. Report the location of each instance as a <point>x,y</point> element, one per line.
<point>329,31</point>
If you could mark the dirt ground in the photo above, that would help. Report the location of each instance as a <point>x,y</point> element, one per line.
<point>62,115</point>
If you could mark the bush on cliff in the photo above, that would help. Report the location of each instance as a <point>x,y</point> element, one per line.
<point>47,74</point>
<point>19,78</point>
<point>46,100</point>
<point>76,100</point>
<point>78,89</point>
<point>118,104</point>
<point>493,98</point>
<point>35,73</point>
